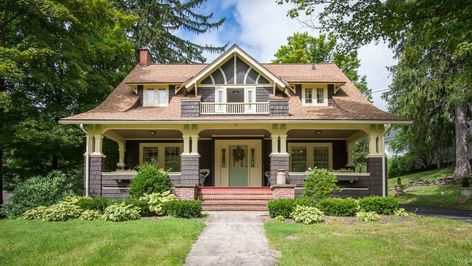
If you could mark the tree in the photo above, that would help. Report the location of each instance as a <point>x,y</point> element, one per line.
<point>56,58</point>
<point>158,22</point>
<point>303,48</point>
<point>432,36</point>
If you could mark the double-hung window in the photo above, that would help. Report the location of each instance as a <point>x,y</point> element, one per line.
<point>156,97</point>
<point>164,155</point>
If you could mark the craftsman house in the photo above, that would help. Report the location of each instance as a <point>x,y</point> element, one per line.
<point>232,126</point>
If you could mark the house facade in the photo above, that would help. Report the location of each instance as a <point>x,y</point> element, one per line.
<point>235,123</point>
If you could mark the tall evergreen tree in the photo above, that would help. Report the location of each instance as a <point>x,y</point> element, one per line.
<point>306,49</point>
<point>158,23</point>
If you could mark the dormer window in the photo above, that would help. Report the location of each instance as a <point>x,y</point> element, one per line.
<point>156,97</point>
<point>314,95</point>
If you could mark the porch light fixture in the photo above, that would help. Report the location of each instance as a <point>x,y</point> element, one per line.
<point>152,132</point>
<point>318,132</point>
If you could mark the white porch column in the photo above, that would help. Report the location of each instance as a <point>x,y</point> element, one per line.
<point>186,144</point>
<point>121,151</point>
<point>194,144</point>
<point>373,144</point>
<point>283,144</point>
<point>275,143</point>
<point>98,144</point>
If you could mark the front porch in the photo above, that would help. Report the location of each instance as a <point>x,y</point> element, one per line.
<point>235,155</point>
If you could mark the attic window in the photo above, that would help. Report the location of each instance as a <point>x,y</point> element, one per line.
<point>156,97</point>
<point>314,95</point>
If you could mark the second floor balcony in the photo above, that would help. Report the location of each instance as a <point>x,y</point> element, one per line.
<point>234,108</point>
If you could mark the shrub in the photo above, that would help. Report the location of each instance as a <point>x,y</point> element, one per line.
<point>96,204</point>
<point>368,216</point>
<point>121,212</point>
<point>280,218</point>
<point>284,207</point>
<point>400,212</point>
<point>90,215</point>
<point>150,179</point>
<point>400,165</point>
<point>338,207</point>
<point>307,215</point>
<point>320,184</point>
<point>39,191</point>
<point>380,205</point>
<point>156,201</point>
<point>143,206</point>
<point>184,208</point>
<point>36,213</point>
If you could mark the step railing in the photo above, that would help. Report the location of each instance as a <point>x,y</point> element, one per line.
<point>234,108</point>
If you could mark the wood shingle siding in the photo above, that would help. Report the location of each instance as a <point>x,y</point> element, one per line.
<point>263,94</point>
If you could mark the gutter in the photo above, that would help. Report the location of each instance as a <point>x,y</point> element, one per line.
<point>87,160</point>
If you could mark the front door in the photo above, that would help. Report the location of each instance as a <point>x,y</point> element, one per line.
<point>238,166</point>
<point>238,162</point>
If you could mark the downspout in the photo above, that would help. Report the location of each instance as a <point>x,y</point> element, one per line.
<point>384,157</point>
<point>87,159</point>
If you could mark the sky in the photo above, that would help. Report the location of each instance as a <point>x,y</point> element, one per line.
<point>260,27</point>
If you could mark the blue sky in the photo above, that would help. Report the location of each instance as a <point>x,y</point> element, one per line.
<point>261,26</point>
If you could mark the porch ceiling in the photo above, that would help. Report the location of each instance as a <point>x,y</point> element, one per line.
<point>324,134</point>
<point>147,134</point>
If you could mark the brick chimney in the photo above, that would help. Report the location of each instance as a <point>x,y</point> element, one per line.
<point>145,57</point>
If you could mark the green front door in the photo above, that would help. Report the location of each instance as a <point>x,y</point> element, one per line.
<point>238,168</point>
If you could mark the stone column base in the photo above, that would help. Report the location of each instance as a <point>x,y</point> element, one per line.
<point>186,192</point>
<point>283,191</point>
<point>278,161</point>
<point>190,170</point>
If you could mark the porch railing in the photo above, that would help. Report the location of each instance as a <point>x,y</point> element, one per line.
<point>234,108</point>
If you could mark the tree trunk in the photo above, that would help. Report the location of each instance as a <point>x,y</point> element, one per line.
<point>462,151</point>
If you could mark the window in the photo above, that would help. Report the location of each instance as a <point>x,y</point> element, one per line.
<point>172,159</point>
<point>309,96</point>
<point>156,97</point>
<point>314,96</point>
<point>165,155</point>
<point>321,157</point>
<point>310,155</point>
<point>319,95</point>
<point>298,159</point>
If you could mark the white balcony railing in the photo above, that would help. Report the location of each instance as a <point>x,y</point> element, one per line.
<point>234,108</point>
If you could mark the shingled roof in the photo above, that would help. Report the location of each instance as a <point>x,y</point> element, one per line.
<point>122,103</point>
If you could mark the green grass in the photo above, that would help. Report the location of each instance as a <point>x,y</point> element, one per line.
<point>142,242</point>
<point>401,241</point>
<point>446,196</point>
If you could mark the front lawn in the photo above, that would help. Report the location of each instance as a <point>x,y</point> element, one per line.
<point>143,242</point>
<point>445,196</point>
<point>400,241</point>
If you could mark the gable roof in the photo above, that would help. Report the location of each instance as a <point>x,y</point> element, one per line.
<point>234,50</point>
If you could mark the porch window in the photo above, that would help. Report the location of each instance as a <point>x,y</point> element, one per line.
<point>310,155</point>
<point>165,155</point>
<point>172,159</point>
<point>156,97</point>
<point>299,159</point>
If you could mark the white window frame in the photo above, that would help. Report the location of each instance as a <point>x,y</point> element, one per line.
<point>250,108</point>
<point>309,152</point>
<point>314,98</point>
<point>160,151</point>
<point>156,96</point>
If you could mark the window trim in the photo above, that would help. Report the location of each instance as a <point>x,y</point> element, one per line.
<point>160,152</point>
<point>314,88</point>
<point>156,96</point>
<point>310,150</point>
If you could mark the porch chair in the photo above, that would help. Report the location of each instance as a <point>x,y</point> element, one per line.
<point>204,173</point>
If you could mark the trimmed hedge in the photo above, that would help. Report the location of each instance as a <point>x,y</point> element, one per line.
<point>150,179</point>
<point>184,208</point>
<point>338,207</point>
<point>380,205</point>
<point>96,204</point>
<point>284,207</point>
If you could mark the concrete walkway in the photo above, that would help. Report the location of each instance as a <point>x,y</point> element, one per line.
<point>448,213</point>
<point>232,238</point>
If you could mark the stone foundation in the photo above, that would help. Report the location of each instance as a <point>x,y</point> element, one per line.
<point>186,192</point>
<point>283,191</point>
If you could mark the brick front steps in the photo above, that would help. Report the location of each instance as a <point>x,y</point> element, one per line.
<point>235,198</point>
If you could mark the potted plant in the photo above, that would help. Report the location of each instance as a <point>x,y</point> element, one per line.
<point>399,187</point>
<point>466,189</point>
